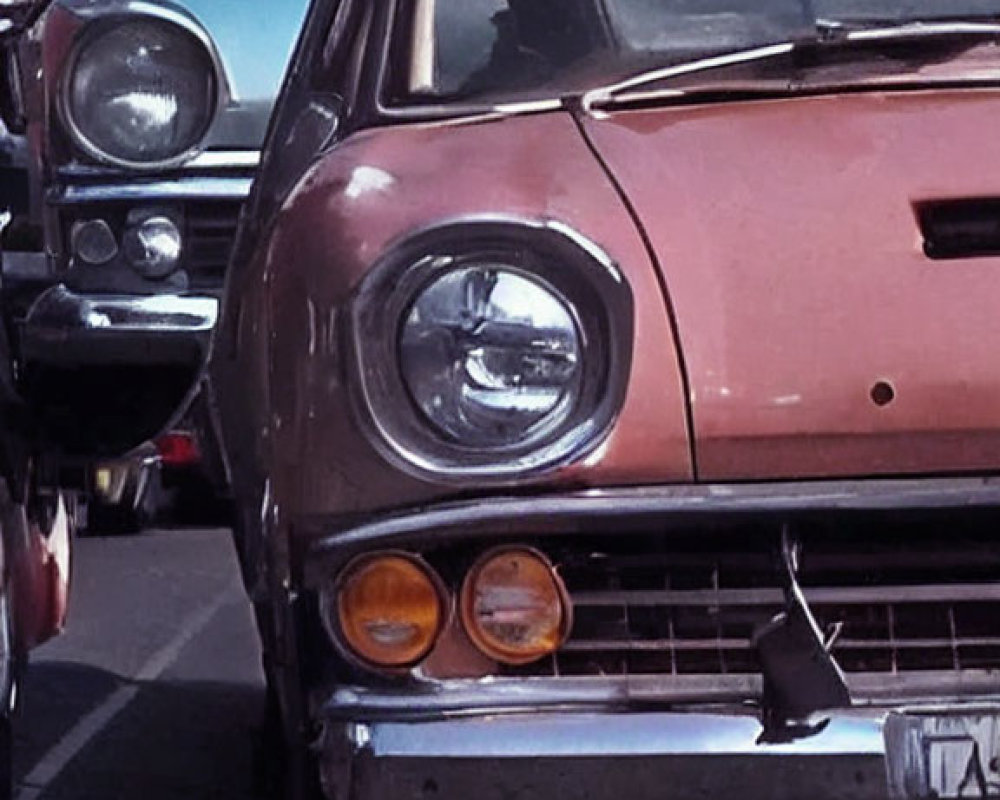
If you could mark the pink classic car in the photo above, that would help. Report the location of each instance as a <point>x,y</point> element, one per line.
<point>611,394</point>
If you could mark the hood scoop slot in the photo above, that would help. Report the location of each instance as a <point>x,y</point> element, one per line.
<point>964,228</point>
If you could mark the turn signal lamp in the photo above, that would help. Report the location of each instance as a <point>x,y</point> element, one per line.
<point>514,606</point>
<point>390,609</point>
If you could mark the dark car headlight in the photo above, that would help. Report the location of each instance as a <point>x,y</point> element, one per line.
<point>140,91</point>
<point>492,349</point>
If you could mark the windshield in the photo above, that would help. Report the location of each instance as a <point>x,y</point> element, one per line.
<point>505,49</point>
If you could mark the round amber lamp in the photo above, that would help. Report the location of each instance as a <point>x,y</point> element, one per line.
<point>390,609</point>
<point>514,606</point>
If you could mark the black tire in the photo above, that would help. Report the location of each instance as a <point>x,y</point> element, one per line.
<point>284,767</point>
<point>6,758</point>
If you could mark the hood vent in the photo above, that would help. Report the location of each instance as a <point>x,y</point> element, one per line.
<point>964,228</point>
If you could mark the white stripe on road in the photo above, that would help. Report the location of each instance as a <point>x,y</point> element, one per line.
<point>54,761</point>
<point>80,735</point>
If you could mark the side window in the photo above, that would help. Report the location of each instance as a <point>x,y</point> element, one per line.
<point>466,32</point>
<point>463,47</point>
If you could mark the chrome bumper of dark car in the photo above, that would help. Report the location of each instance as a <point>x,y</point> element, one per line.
<point>944,753</point>
<point>96,328</point>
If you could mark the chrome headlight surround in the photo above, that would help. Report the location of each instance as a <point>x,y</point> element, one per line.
<point>95,28</point>
<point>553,256</point>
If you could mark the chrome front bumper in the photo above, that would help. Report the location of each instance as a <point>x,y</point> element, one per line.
<point>944,753</point>
<point>63,326</point>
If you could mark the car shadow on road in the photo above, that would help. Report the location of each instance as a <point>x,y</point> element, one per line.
<point>173,740</point>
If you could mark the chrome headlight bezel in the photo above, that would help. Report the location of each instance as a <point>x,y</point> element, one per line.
<point>584,279</point>
<point>98,26</point>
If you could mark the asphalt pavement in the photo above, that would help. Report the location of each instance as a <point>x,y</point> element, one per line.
<point>155,690</point>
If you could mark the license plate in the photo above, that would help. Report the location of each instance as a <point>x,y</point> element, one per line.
<point>949,755</point>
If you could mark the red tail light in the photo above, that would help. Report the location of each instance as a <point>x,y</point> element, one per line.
<point>178,449</point>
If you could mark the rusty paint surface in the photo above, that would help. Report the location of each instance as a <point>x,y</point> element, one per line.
<point>788,239</point>
<point>368,193</point>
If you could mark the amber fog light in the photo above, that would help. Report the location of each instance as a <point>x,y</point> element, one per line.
<point>514,606</point>
<point>387,608</point>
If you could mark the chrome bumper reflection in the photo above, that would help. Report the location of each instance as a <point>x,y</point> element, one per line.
<point>58,311</point>
<point>856,753</point>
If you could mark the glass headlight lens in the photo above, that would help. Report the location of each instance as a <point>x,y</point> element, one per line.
<point>515,606</point>
<point>388,608</point>
<point>141,92</point>
<point>491,356</point>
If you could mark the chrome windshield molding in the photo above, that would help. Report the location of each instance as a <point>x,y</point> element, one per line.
<point>584,278</point>
<point>594,98</point>
<point>828,34</point>
<point>593,510</point>
<point>121,12</point>
<point>916,30</point>
<point>201,188</point>
<point>926,692</point>
<point>59,310</point>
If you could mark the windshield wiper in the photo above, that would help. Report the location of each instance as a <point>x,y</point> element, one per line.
<point>830,35</point>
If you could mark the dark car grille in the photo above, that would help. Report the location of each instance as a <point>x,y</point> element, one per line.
<point>211,230</point>
<point>898,601</point>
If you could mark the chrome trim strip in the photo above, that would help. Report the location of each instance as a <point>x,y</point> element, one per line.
<point>223,159</point>
<point>839,595</point>
<point>236,160</point>
<point>609,735</point>
<point>60,310</point>
<point>602,94</point>
<point>177,189</point>
<point>596,508</point>
<point>428,699</point>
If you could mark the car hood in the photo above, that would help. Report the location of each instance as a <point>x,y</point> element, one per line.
<point>818,339</point>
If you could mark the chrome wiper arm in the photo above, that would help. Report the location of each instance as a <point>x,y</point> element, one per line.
<point>602,95</point>
<point>829,34</point>
<point>839,31</point>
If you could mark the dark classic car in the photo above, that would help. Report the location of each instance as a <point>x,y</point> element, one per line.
<point>143,122</point>
<point>610,391</point>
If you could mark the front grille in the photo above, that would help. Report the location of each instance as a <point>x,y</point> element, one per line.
<point>899,600</point>
<point>211,230</point>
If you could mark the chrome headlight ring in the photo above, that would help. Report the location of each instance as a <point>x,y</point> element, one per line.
<point>578,379</point>
<point>102,26</point>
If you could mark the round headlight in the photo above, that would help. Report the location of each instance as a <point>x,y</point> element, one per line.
<point>491,356</point>
<point>153,247</point>
<point>515,607</point>
<point>141,92</point>
<point>490,350</point>
<point>388,609</point>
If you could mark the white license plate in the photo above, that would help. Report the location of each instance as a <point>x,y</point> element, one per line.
<point>960,753</point>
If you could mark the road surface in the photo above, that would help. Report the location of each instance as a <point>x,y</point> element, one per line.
<point>155,690</point>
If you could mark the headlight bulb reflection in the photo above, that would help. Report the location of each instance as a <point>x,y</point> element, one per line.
<point>490,355</point>
<point>153,247</point>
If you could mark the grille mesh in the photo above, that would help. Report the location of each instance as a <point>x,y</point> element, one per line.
<point>211,230</point>
<point>903,602</point>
